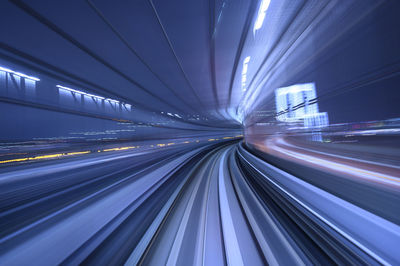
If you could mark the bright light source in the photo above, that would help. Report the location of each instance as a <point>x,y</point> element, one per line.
<point>71,90</point>
<point>18,74</point>
<point>244,69</point>
<point>261,15</point>
<point>93,96</point>
<point>295,89</point>
<point>265,5</point>
<point>244,72</point>
<point>297,103</point>
<point>111,100</point>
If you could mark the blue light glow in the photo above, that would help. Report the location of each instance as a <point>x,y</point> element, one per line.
<point>18,74</point>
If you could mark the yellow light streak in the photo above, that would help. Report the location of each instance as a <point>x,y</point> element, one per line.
<point>15,160</point>
<point>120,149</point>
<point>77,153</point>
<point>40,157</point>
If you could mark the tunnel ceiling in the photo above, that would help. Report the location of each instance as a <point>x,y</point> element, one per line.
<point>163,55</point>
<point>184,57</point>
<point>170,56</point>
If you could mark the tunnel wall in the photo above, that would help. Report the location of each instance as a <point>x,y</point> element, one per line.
<point>352,56</point>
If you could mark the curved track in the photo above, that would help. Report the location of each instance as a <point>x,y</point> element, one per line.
<point>213,205</point>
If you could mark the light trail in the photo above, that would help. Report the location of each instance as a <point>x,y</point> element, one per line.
<point>62,155</point>
<point>48,156</point>
<point>338,167</point>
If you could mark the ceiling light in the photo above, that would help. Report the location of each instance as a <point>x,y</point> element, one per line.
<point>261,15</point>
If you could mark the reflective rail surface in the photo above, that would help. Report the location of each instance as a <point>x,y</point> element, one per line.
<point>213,204</point>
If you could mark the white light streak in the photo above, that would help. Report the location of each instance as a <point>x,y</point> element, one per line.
<point>93,96</point>
<point>261,15</point>
<point>71,90</point>
<point>113,101</point>
<point>294,89</point>
<point>244,72</point>
<point>18,74</point>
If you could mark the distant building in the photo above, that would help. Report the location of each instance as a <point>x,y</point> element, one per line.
<point>316,120</point>
<point>298,103</point>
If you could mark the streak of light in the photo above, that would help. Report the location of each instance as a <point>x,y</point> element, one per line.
<point>77,153</point>
<point>244,72</point>
<point>40,157</point>
<point>79,92</point>
<point>261,15</point>
<point>61,155</point>
<point>18,74</point>
<point>94,96</point>
<point>120,149</point>
<point>344,168</point>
